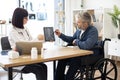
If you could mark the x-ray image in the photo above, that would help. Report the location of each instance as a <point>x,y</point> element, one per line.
<point>49,34</point>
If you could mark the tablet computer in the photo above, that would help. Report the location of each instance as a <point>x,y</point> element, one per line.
<point>49,34</point>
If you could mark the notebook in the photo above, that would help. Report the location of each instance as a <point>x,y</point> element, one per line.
<point>49,34</point>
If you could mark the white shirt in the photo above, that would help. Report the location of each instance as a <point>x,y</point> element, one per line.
<point>16,35</point>
<point>82,31</point>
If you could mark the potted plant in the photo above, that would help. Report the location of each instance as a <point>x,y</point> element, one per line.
<point>115,16</point>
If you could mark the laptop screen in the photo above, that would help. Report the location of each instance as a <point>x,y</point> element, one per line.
<point>49,34</point>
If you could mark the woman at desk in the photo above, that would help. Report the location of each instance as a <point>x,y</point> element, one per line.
<point>20,33</point>
<point>85,38</point>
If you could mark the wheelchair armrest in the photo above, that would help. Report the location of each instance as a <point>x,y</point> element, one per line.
<point>97,47</point>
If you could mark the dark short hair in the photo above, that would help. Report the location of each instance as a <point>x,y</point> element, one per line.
<point>18,16</point>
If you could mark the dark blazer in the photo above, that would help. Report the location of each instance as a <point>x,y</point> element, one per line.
<point>88,39</point>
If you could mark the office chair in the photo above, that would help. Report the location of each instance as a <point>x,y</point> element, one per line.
<point>5,45</point>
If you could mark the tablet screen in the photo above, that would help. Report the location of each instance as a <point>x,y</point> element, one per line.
<point>49,34</point>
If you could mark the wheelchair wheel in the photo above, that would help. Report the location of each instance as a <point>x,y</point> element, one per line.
<point>105,69</point>
<point>84,73</point>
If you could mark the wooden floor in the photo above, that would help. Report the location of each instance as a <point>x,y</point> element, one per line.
<point>112,73</point>
<point>3,74</point>
<point>118,68</point>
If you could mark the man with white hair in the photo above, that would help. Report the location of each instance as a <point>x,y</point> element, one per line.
<point>85,37</point>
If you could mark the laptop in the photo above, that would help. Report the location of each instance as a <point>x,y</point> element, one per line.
<point>25,47</point>
<point>49,34</point>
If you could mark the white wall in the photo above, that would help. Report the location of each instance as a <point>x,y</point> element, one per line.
<point>100,3</point>
<point>36,26</point>
<point>6,8</point>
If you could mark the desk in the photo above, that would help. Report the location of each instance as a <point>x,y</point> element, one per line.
<point>52,54</point>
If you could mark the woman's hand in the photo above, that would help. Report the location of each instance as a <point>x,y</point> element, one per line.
<point>57,32</point>
<point>14,48</point>
<point>40,37</point>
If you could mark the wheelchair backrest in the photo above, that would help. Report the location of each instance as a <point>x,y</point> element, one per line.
<point>99,47</point>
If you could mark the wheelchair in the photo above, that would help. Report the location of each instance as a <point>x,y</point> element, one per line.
<point>96,67</point>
